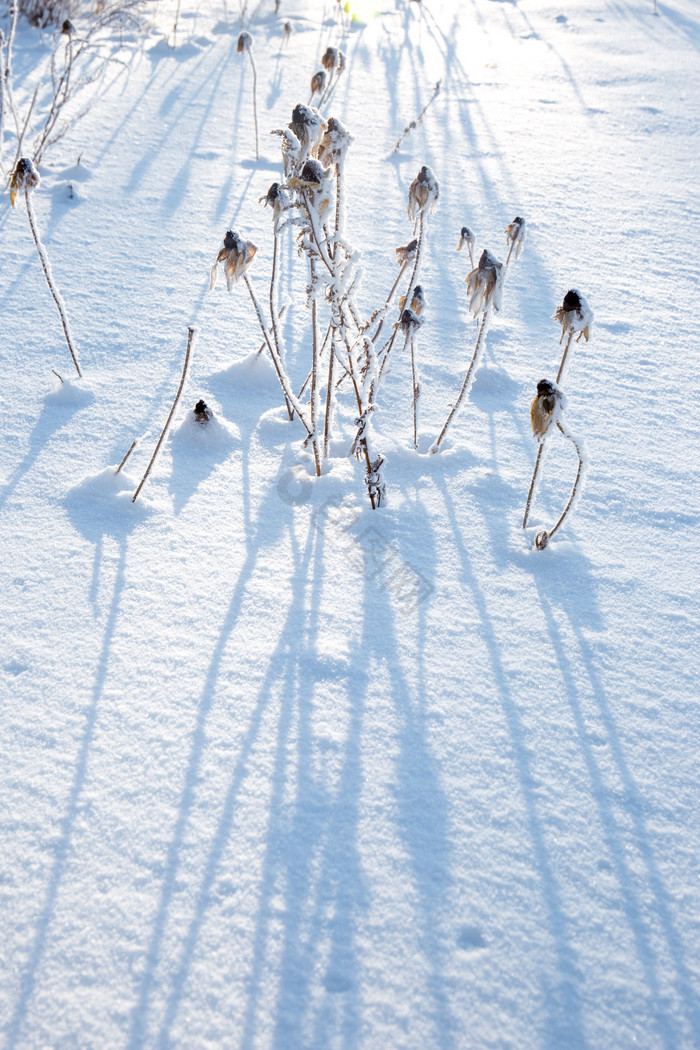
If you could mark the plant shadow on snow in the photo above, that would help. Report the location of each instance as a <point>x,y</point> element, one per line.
<point>312,882</point>
<point>98,507</point>
<point>57,410</point>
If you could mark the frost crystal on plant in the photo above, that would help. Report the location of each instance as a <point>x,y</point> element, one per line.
<point>485,284</point>
<point>515,235</point>
<point>407,253</point>
<point>334,143</point>
<point>235,256</point>
<point>466,237</point>
<point>546,407</point>
<point>307,125</point>
<point>574,315</point>
<point>423,193</point>
<point>24,177</point>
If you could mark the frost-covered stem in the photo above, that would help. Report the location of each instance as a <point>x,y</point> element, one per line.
<point>384,308</point>
<point>328,263</point>
<point>14,12</point>
<point>273,285</point>
<point>255,102</point>
<point>560,373</point>
<point>21,134</point>
<point>132,446</point>
<point>2,95</point>
<point>416,392</point>
<point>320,355</point>
<point>276,360</point>
<point>50,281</point>
<point>188,351</point>
<point>465,385</point>
<point>531,492</point>
<point>314,371</point>
<point>328,421</point>
<point>542,538</point>
<point>409,293</point>
<point>59,100</point>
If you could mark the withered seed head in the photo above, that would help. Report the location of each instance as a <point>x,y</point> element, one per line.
<point>318,82</point>
<point>236,255</point>
<point>423,193</point>
<point>202,412</point>
<point>24,177</point>
<point>407,252</point>
<point>545,407</point>
<point>574,315</point>
<point>245,42</point>
<point>466,237</point>
<point>484,284</point>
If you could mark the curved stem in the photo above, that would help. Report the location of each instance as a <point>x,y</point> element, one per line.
<point>49,280</point>
<point>465,385</point>
<point>543,538</point>
<point>164,431</point>
<point>531,492</point>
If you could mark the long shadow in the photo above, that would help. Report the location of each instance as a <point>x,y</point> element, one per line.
<point>66,824</point>
<point>633,908</point>
<point>565,1022</point>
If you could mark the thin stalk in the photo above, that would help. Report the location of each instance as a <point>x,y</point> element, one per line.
<point>188,351</point>
<point>50,281</point>
<point>409,293</point>
<point>314,371</point>
<point>132,446</point>
<point>177,19</point>
<point>279,315</point>
<point>2,95</point>
<point>416,392</point>
<point>328,421</point>
<point>542,538</point>
<point>20,136</point>
<point>255,102</point>
<point>531,492</point>
<point>59,100</point>
<point>291,401</point>
<point>14,12</point>
<point>560,373</point>
<point>465,385</point>
<point>384,308</point>
<point>320,355</point>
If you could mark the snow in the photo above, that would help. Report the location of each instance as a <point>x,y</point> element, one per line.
<point>279,770</point>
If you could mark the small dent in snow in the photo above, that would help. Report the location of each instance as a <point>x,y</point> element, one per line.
<point>470,938</point>
<point>14,667</point>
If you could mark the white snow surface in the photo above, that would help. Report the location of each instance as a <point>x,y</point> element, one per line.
<point>280,771</point>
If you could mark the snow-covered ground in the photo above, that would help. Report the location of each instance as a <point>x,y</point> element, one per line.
<point>282,771</point>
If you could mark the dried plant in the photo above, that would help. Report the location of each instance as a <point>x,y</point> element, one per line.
<point>485,286</point>
<point>576,319</point>
<point>419,119</point>
<point>245,45</point>
<point>25,179</point>
<point>318,84</point>
<point>287,30</point>
<point>202,413</point>
<point>547,411</point>
<point>467,237</point>
<point>515,236</point>
<point>235,256</point>
<point>185,367</point>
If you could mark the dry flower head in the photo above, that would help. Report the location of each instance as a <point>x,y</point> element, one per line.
<point>318,82</point>
<point>515,235</point>
<point>574,314</point>
<point>25,177</point>
<point>417,301</point>
<point>334,143</point>
<point>333,59</point>
<point>406,253</point>
<point>466,237</point>
<point>235,256</point>
<point>423,193</point>
<point>245,42</point>
<point>545,407</point>
<point>484,284</point>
